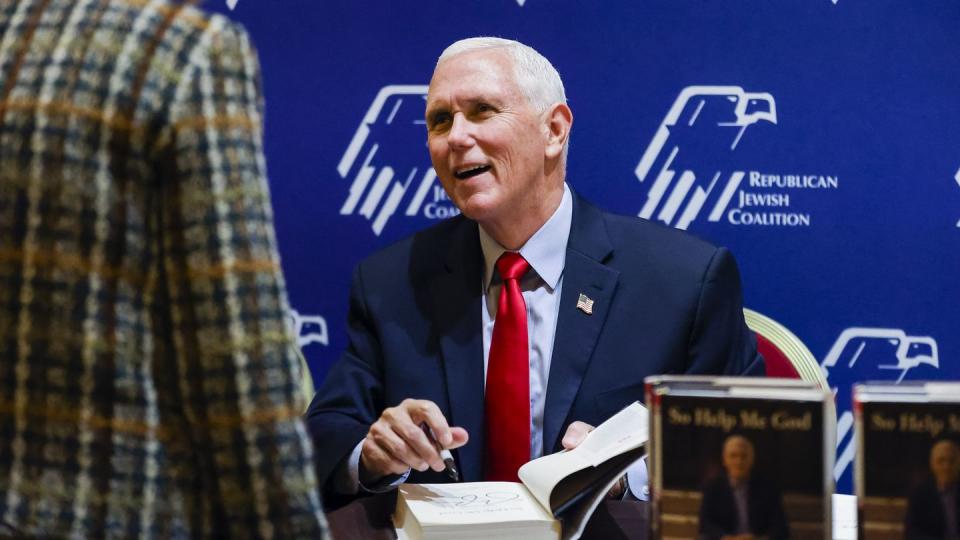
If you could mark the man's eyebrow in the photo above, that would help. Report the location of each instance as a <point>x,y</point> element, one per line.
<point>483,99</point>
<point>470,101</point>
<point>433,110</point>
<point>441,107</point>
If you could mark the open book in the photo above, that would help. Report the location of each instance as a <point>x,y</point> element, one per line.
<point>557,495</point>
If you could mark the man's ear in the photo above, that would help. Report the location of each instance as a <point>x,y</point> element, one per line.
<point>559,119</point>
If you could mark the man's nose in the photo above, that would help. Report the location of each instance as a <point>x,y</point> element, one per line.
<point>461,132</point>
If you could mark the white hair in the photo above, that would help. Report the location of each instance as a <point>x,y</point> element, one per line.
<point>538,80</point>
<point>536,76</point>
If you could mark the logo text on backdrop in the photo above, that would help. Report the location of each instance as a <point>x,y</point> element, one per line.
<point>692,164</point>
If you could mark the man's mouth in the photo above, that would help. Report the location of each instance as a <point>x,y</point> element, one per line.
<point>470,172</point>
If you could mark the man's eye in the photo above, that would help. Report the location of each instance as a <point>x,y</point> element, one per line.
<point>439,120</point>
<point>483,107</point>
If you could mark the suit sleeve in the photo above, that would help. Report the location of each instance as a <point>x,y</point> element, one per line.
<point>720,341</point>
<point>351,396</point>
<point>238,371</point>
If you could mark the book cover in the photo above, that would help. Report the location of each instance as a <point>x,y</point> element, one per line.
<point>908,460</point>
<point>731,456</point>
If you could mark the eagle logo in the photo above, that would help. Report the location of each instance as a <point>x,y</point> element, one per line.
<point>385,161</point>
<point>694,146</point>
<point>308,329</point>
<point>871,354</point>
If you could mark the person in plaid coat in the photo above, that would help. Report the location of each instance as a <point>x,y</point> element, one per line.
<point>148,379</point>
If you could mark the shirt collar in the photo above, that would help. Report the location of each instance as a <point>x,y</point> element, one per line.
<point>546,250</point>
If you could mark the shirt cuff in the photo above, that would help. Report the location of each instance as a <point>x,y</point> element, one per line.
<point>637,488</point>
<point>347,478</point>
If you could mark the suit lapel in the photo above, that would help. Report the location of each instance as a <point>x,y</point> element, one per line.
<point>577,332</point>
<point>456,296</point>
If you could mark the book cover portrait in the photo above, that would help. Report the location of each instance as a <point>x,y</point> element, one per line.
<point>733,466</point>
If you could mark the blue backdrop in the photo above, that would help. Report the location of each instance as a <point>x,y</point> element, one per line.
<point>818,139</point>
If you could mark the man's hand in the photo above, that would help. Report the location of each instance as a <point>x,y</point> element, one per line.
<point>576,433</point>
<point>396,442</point>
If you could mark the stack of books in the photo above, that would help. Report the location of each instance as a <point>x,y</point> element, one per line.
<point>727,456</point>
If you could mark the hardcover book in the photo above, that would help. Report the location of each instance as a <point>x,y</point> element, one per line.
<point>740,456</point>
<point>908,459</point>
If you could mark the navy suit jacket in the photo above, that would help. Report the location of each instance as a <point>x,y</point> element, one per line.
<point>718,511</point>
<point>664,302</point>
<point>926,518</point>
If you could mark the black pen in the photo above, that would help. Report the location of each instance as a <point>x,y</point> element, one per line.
<point>449,466</point>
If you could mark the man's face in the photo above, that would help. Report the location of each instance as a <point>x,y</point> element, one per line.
<point>737,458</point>
<point>945,462</point>
<point>486,142</point>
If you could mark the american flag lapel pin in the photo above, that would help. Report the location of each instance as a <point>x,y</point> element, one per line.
<point>585,304</point>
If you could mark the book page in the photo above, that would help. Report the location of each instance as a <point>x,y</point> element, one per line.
<point>470,503</point>
<point>624,431</point>
<point>844,517</point>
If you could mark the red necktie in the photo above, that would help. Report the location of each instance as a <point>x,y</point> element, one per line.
<point>507,401</point>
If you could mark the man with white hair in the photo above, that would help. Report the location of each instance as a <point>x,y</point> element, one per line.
<point>933,506</point>
<point>740,504</point>
<point>513,328</point>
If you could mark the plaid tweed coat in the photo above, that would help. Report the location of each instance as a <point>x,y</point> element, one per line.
<point>148,380</point>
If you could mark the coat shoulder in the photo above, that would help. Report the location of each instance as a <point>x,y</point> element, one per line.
<point>638,242</point>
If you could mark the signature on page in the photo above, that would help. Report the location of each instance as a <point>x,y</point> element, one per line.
<point>470,500</point>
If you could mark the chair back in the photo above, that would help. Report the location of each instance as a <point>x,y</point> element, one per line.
<point>783,353</point>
